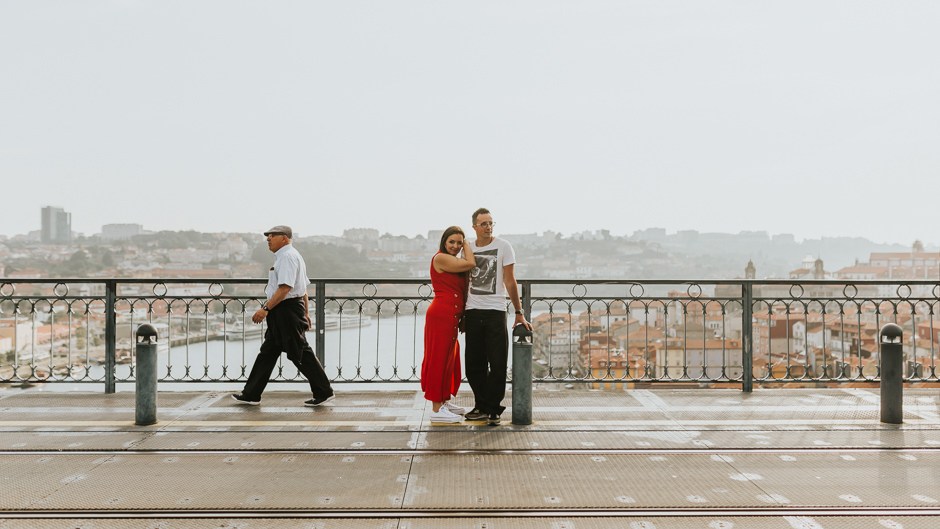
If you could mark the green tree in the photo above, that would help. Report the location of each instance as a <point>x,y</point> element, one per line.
<point>328,260</point>
<point>107,258</point>
<point>78,264</point>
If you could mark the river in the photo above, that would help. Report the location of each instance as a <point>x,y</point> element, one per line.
<point>372,352</point>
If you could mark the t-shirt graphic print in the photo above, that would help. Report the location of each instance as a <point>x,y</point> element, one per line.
<point>487,291</point>
<point>483,277</point>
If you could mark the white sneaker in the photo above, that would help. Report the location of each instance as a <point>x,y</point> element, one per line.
<point>453,408</point>
<point>445,416</point>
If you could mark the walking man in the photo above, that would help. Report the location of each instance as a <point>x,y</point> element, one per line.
<point>286,313</point>
<point>487,337</point>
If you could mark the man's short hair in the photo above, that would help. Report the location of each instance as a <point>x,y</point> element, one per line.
<point>477,213</point>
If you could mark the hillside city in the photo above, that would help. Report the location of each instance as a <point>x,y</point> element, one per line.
<point>672,337</point>
<point>129,250</point>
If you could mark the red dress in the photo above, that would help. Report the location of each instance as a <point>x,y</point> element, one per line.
<point>440,370</point>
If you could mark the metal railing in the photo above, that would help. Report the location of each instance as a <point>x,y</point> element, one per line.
<point>602,332</point>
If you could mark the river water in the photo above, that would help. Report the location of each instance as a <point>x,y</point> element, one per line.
<point>385,349</point>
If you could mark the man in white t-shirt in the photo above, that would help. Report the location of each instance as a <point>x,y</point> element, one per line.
<point>487,337</point>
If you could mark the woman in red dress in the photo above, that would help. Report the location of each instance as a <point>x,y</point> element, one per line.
<point>440,370</point>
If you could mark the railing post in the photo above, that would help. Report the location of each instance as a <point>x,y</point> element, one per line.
<point>319,303</point>
<point>521,375</point>
<point>110,334</point>
<point>146,362</point>
<point>892,382</point>
<point>526,300</point>
<point>747,332</point>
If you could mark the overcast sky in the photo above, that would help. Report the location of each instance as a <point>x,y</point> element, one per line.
<point>816,118</point>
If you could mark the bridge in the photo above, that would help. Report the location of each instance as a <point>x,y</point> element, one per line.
<point>642,458</point>
<point>637,422</point>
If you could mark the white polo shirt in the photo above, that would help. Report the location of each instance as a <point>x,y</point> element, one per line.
<point>289,269</point>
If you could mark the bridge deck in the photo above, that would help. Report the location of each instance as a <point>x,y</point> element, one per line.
<point>662,458</point>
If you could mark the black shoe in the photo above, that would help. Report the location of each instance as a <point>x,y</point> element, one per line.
<point>493,419</point>
<point>474,415</point>
<point>319,400</point>
<point>241,399</point>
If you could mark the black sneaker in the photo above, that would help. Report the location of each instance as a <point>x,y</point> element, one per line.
<point>241,399</point>
<point>493,419</point>
<point>319,401</point>
<point>474,415</point>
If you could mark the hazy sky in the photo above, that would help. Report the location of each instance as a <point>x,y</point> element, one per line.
<point>812,117</point>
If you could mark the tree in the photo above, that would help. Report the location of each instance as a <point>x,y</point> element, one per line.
<point>107,258</point>
<point>78,264</point>
<point>328,260</point>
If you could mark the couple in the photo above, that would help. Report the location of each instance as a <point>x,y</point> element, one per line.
<point>470,282</point>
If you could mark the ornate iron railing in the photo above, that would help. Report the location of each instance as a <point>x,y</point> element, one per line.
<point>707,332</point>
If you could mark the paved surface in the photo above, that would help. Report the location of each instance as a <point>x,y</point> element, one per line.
<point>640,459</point>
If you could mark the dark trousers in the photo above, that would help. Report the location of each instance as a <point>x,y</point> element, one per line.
<point>486,355</point>
<point>286,328</point>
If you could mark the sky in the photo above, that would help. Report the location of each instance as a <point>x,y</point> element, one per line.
<point>815,118</point>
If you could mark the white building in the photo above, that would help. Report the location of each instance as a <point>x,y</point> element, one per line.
<point>120,232</point>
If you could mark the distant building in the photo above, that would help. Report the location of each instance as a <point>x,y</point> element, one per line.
<point>56,226</point>
<point>811,269</point>
<point>896,266</point>
<point>361,234</point>
<point>907,265</point>
<point>650,234</point>
<point>120,232</point>
<point>233,248</point>
<point>401,244</point>
<point>435,235</point>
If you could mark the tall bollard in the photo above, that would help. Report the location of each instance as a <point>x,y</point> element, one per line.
<point>146,413</point>
<point>521,375</point>
<point>892,383</point>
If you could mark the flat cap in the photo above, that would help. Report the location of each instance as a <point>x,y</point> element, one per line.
<point>282,230</point>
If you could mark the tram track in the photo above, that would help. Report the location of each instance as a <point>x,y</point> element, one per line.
<point>650,512</point>
<point>471,451</point>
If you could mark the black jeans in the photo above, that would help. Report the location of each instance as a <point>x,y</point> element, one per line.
<point>286,328</point>
<point>486,357</point>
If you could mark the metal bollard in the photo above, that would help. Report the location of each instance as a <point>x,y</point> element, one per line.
<point>146,412</point>
<point>521,375</point>
<point>892,383</point>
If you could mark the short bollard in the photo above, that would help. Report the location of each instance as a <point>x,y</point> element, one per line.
<point>521,375</point>
<point>892,383</point>
<point>146,412</point>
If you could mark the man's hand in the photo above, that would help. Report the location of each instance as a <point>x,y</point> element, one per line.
<point>520,319</point>
<point>309,321</point>
<point>259,315</point>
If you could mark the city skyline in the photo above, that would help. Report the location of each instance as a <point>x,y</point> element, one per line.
<point>806,118</point>
<point>126,230</point>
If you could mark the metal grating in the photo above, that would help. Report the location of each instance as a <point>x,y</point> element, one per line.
<point>99,401</point>
<point>616,522</point>
<point>663,480</point>
<point>230,482</point>
<point>215,523</point>
<point>466,481</point>
<point>694,522</point>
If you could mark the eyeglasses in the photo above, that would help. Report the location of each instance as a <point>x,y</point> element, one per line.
<point>486,224</point>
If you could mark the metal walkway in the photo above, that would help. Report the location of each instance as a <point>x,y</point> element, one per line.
<point>640,459</point>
